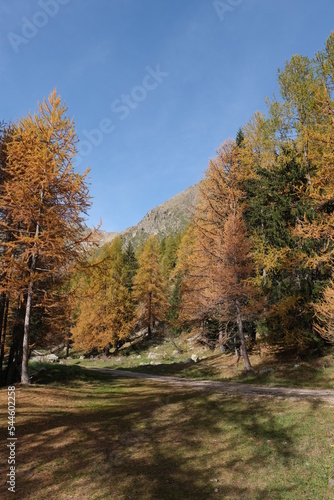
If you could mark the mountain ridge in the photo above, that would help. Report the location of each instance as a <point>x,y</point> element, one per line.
<point>170,217</point>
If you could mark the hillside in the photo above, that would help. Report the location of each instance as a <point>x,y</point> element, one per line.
<point>170,217</point>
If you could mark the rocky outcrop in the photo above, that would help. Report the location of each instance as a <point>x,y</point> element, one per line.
<point>170,217</point>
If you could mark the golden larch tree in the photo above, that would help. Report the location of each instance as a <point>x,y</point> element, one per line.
<point>223,268</point>
<point>44,202</point>
<point>149,289</point>
<point>102,302</point>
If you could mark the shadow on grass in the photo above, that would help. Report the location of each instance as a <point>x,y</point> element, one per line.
<point>142,440</point>
<point>286,369</point>
<point>200,369</point>
<point>55,374</point>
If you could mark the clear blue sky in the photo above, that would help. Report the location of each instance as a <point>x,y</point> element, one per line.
<point>165,81</point>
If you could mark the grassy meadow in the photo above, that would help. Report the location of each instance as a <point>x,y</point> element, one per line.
<point>271,367</point>
<point>85,435</point>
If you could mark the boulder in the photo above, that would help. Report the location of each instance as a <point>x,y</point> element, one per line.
<point>152,355</point>
<point>51,358</point>
<point>48,358</point>
<point>37,359</point>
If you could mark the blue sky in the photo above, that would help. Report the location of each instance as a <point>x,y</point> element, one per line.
<point>154,86</point>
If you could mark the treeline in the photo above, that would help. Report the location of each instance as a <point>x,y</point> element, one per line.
<point>263,232</point>
<point>258,256</point>
<point>255,262</point>
<point>122,291</point>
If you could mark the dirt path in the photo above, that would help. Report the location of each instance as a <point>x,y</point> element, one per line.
<point>247,390</point>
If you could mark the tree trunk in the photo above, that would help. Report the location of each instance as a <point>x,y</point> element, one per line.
<point>12,373</point>
<point>222,339</point>
<point>221,343</point>
<point>25,345</point>
<point>2,310</point>
<point>248,365</point>
<point>2,313</point>
<point>308,175</point>
<point>149,329</point>
<point>106,351</point>
<point>67,348</point>
<point>15,353</point>
<point>3,330</point>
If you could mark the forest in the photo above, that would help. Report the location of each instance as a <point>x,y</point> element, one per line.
<point>255,265</point>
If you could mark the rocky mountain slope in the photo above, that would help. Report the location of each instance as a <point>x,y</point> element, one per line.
<point>170,217</point>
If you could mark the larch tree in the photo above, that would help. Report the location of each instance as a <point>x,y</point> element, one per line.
<point>169,248</point>
<point>5,136</point>
<point>320,228</point>
<point>236,297</point>
<point>130,266</point>
<point>103,302</point>
<point>44,202</point>
<point>290,195</point>
<point>149,289</point>
<point>324,314</point>
<point>224,265</point>
<point>194,295</point>
<point>321,154</point>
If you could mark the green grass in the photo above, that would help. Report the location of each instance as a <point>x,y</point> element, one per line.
<point>84,435</point>
<point>287,370</point>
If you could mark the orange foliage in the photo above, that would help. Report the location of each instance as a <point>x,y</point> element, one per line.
<point>324,314</point>
<point>149,289</point>
<point>218,271</point>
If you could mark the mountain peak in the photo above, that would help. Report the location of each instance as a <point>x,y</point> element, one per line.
<point>170,217</point>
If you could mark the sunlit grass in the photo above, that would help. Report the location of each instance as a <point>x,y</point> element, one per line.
<point>269,369</point>
<point>87,436</point>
